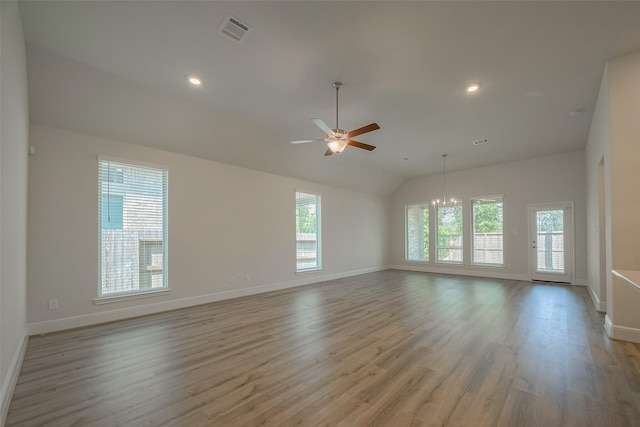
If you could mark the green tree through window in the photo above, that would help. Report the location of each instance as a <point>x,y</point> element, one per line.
<point>488,217</point>
<point>449,237</point>
<point>307,232</point>
<point>488,236</point>
<point>550,221</point>
<point>306,219</point>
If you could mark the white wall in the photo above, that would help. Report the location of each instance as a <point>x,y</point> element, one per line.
<point>614,137</point>
<point>624,89</point>
<point>597,149</point>
<point>223,220</point>
<point>14,126</point>
<point>547,179</point>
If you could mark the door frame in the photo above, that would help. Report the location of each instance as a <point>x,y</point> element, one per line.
<point>569,233</point>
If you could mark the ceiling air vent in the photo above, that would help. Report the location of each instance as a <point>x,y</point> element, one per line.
<point>480,141</point>
<point>234,28</point>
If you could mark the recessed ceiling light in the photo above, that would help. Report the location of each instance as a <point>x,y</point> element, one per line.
<point>473,88</point>
<point>195,81</point>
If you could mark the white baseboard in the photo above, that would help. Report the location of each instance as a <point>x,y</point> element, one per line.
<point>11,378</point>
<point>580,282</point>
<point>608,325</point>
<point>601,306</point>
<point>623,333</point>
<point>477,273</point>
<point>45,327</point>
<point>488,273</point>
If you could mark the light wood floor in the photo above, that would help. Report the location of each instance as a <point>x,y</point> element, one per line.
<point>391,349</point>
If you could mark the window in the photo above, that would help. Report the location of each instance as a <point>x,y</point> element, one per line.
<point>132,213</point>
<point>449,234</point>
<point>307,232</point>
<point>488,237</point>
<point>417,233</point>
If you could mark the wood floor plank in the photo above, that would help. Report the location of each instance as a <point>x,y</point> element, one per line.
<point>391,348</point>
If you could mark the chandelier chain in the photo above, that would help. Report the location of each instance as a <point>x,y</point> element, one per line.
<point>444,185</point>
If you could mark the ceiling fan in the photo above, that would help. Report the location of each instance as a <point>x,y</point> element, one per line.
<point>337,139</point>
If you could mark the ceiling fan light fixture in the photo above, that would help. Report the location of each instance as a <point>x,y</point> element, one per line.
<point>337,146</point>
<point>337,139</point>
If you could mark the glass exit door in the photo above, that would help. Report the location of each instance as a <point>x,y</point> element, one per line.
<point>552,242</point>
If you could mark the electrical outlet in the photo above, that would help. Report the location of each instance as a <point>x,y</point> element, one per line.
<point>53,304</point>
<point>247,277</point>
<point>232,280</point>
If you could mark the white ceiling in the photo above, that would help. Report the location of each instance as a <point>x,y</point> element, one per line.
<point>404,65</point>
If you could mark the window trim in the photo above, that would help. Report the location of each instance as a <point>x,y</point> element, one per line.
<point>319,257</point>
<point>102,157</point>
<point>406,233</point>
<point>437,226</point>
<point>472,233</point>
<point>134,294</point>
<point>127,296</point>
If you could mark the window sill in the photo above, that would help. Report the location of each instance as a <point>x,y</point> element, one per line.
<point>418,261</point>
<point>130,296</point>
<point>500,266</point>
<point>308,270</point>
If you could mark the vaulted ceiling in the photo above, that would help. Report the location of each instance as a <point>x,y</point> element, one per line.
<point>118,69</point>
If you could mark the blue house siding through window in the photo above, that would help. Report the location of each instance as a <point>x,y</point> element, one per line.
<point>111,212</point>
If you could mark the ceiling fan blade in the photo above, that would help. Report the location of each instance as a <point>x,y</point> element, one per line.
<point>305,141</point>
<point>361,145</point>
<point>329,152</point>
<point>326,129</point>
<point>363,129</point>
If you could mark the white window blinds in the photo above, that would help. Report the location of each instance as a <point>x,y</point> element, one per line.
<point>132,216</point>
<point>308,247</point>
<point>417,237</point>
